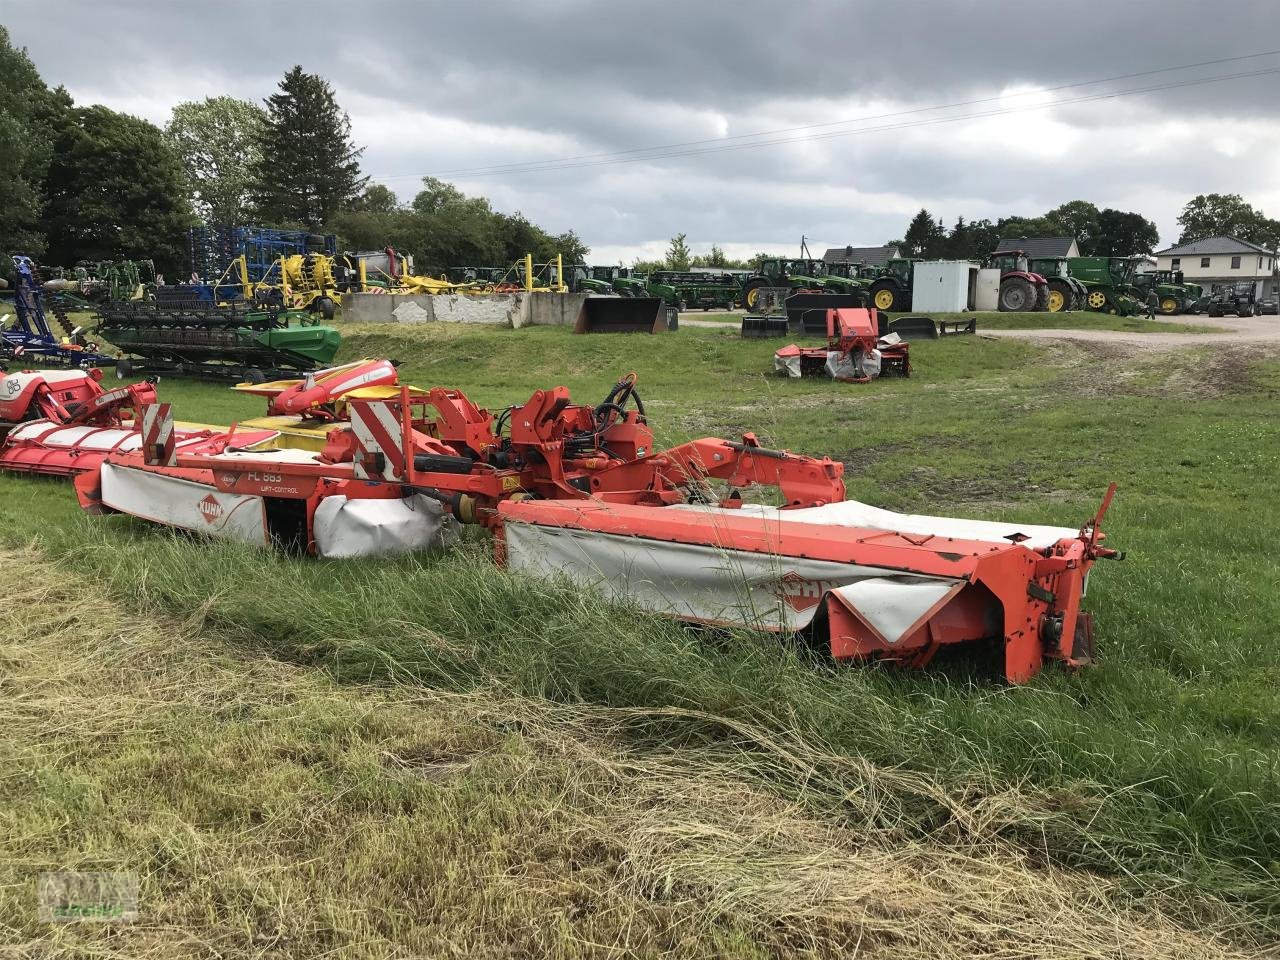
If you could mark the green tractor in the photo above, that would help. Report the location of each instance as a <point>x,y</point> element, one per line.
<point>807,275</point>
<point>1173,294</point>
<point>1065,291</point>
<point>846,278</point>
<point>1109,281</point>
<point>891,290</point>
<point>628,282</point>
<point>592,280</point>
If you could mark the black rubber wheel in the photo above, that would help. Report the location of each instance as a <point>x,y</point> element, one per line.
<point>749,293</point>
<point>1042,297</point>
<point>123,368</point>
<point>1017,295</point>
<point>1064,299</point>
<point>887,297</point>
<point>254,375</point>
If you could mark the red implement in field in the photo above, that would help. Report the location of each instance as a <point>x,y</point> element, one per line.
<point>580,491</point>
<point>855,353</point>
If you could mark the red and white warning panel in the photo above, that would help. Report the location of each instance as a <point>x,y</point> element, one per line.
<point>379,454</point>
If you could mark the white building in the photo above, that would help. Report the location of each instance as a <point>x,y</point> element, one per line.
<point>1218,261</point>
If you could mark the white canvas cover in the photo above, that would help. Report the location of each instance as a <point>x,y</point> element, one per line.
<point>789,365</point>
<point>714,585</point>
<point>184,503</point>
<point>851,513</point>
<point>374,528</point>
<point>101,439</point>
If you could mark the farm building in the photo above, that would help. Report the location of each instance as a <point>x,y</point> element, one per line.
<point>871,256</point>
<point>1040,247</point>
<point>1216,261</point>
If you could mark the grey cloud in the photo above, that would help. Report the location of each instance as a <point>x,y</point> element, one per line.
<point>611,76</point>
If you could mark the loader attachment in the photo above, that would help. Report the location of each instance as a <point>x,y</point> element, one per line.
<point>807,312</point>
<point>622,315</point>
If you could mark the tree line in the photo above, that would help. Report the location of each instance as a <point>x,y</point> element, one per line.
<point>90,183</point>
<point>1101,233</point>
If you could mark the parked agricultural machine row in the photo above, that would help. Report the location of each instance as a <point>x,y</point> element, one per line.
<point>349,462</point>
<point>1053,284</point>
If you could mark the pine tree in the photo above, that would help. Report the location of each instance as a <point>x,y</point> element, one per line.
<point>308,169</point>
<point>678,253</point>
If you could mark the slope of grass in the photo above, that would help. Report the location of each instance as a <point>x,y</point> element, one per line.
<point>1157,768</point>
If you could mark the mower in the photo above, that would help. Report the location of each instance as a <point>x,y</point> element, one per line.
<point>580,491</point>
<point>855,352</point>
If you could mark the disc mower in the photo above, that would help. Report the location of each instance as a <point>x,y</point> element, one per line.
<point>581,491</point>
<point>855,353</point>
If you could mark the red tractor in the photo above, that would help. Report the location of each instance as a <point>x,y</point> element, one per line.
<point>1020,289</point>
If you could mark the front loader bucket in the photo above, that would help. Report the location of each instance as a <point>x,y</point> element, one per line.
<point>622,315</point>
<point>807,312</point>
<point>914,328</point>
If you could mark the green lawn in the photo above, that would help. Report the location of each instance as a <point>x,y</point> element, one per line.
<point>1157,771</point>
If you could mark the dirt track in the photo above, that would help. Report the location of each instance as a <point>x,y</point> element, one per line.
<point>1237,330</point>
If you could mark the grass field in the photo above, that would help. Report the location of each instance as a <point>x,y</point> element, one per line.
<point>1078,320</point>
<point>427,755</point>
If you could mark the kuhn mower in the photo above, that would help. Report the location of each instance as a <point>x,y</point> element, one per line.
<point>580,491</point>
<point>62,423</point>
<point>854,353</point>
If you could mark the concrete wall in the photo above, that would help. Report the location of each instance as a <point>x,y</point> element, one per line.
<point>506,309</point>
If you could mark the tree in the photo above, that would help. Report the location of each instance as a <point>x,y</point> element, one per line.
<point>219,142</point>
<point>115,189</point>
<point>925,236</point>
<point>1077,219</point>
<point>678,253</point>
<point>30,114</point>
<point>1122,234</point>
<point>1227,214</point>
<point>308,169</point>
<point>377,198</point>
<point>570,246</point>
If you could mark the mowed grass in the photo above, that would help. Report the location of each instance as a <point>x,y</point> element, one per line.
<point>1156,770</point>
<point>267,811</point>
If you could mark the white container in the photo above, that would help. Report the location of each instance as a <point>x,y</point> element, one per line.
<point>944,286</point>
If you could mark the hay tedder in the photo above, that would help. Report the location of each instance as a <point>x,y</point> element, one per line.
<point>579,491</point>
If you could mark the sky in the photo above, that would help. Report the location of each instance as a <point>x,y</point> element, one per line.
<point>882,107</point>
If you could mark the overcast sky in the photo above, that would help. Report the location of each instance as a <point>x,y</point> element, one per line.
<point>434,88</point>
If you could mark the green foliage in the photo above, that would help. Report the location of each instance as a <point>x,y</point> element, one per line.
<point>1227,214</point>
<point>308,169</point>
<point>678,254</point>
<point>115,190</point>
<point>442,227</point>
<point>1097,233</point>
<point>29,113</point>
<point>1122,234</point>
<point>925,237</point>
<point>219,140</point>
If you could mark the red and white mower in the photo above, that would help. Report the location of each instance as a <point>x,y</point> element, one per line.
<point>580,490</point>
<point>855,352</point>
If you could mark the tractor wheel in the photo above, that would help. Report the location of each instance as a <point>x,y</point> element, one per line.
<point>751,294</point>
<point>255,376</point>
<point>1042,297</point>
<point>1096,300</point>
<point>1169,306</point>
<point>1017,295</point>
<point>123,368</point>
<point>1059,298</point>
<point>886,296</point>
<point>327,307</point>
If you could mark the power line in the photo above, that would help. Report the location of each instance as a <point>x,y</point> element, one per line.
<point>721,144</point>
